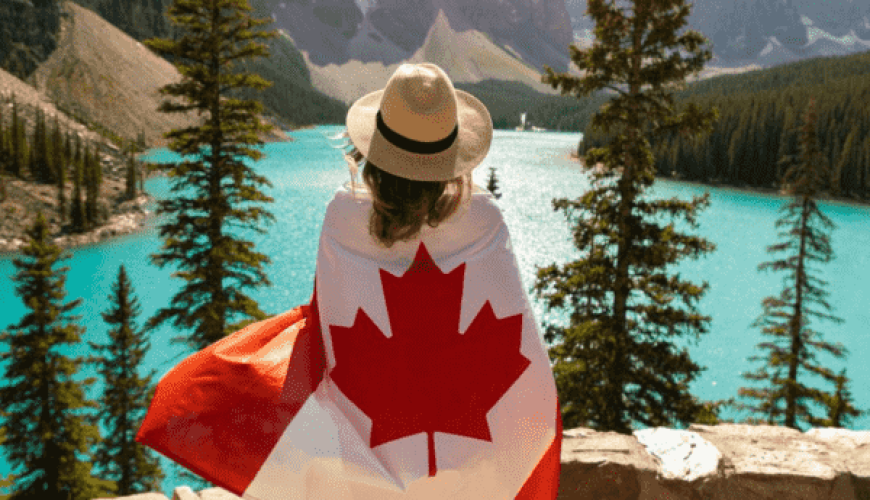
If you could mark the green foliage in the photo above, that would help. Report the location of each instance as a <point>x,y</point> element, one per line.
<point>138,147</point>
<point>291,98</point>
<point>59,163</point>
<point>613,363</point>
<point>18,143</point>
<point>45,434</point>
<point>787,317</point>
<point>492,183</point>
<point>4,155</point>
<point>506,101</point>
<point>131,175</point>
<point>77,215</point>
<point>133,168</point>
<point>126,398</point>
<point>41,166</point>
<point>93,179</point>
<point>755,129</point>
<point>220,187</point>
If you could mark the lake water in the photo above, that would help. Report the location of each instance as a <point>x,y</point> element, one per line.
<point>533,168</point>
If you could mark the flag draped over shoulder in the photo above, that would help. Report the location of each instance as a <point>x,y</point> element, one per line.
<point>416,372</point>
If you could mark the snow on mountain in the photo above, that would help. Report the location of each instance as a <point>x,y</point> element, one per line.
<point>765,32</point>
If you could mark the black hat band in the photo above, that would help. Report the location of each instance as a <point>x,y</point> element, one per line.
<point>412,146</point>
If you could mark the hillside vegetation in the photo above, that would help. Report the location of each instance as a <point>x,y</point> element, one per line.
<point>291,98</point>
<point>759,124</point>
<point>507,100</point>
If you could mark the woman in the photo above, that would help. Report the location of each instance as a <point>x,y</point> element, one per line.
<point>417,370</point>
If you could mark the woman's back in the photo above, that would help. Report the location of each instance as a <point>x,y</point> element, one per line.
<point>438,385</point>
<point>417,370</point>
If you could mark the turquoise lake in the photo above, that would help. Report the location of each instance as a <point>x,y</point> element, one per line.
<point>533,168</point>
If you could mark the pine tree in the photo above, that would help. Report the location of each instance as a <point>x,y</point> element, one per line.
<point>787,317</point>
<point>126,398</point>
<point>839,406</point>
<point>845,159</point>
<point>4,150</point>
<point>39,158</point>
<point>44,432</point>
<point>492,183</point>
<point>4,155</point>
<point>611,363</point>
<point>132,170</point>
<point>141,145</point>
<point>77,208</point>
<point>59,165</point>
<point>93,179</point>
<point>19,143</point>
<point>216,264</point>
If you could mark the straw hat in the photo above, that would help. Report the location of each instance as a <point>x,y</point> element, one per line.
<point>419,127</point>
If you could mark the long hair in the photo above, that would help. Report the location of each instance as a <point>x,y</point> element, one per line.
<point>401,206</point>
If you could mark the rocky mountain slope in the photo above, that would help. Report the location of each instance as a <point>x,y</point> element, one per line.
<point>350,52</point>
<point>104,78</point>
<point>337,31</point>
<point>291,100</point>
<point>468,56</point>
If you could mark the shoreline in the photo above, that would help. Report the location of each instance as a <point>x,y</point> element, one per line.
<point>132,219</point>
<point>826,197</point>
<point>129,217</point>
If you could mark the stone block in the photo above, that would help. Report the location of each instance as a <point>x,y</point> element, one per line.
<point>184,493</point>
<point>722,462</point>
<point>217,494</point>
<point>139,496</point>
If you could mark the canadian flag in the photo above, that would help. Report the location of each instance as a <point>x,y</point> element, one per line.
<point>416,371</point>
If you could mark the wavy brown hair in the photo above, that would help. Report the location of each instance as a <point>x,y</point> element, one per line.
<point>401,206</point>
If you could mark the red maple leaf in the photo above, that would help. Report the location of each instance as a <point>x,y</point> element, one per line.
<point>427,377</point>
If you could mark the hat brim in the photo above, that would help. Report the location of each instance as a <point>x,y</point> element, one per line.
<point>467,152</point>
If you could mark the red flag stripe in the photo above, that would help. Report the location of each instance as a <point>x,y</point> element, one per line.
<point>543,483</point>
<point>208,403</point>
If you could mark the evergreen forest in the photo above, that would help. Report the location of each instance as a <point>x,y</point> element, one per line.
<point>759,124</point>
<point>45,154</point>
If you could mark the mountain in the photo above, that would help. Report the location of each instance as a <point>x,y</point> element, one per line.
<point>338,31</point>
<point>766,32</point>
<point>352,47</point>
<point>291,99</point>
<point>105,79</point>
<point>468,56</point>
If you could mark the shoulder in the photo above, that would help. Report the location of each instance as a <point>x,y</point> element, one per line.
<point>349,209</point>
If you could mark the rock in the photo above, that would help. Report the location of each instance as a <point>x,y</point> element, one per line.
<point>184,493</point>
<point>140,496</point>
<point>723,461</point>
<point>217,494</point>
<point>683,455</point>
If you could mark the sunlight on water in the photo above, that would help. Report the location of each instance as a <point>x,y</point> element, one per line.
<point>533,168</point>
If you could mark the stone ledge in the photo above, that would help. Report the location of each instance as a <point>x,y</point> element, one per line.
<point>720,462</point>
